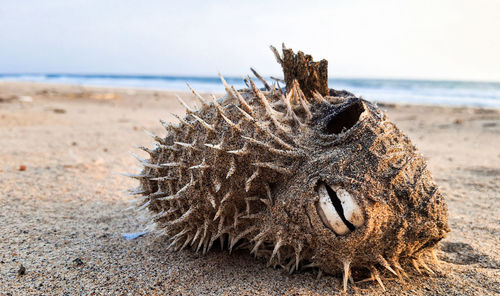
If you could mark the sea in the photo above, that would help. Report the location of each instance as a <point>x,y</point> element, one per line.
<point>436,92</point>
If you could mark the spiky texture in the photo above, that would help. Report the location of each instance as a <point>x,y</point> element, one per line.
<point>244,170</point>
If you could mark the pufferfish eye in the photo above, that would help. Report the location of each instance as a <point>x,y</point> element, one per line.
<point>345,118</point>
<point>338,210</point>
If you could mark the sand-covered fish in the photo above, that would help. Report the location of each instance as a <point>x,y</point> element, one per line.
<point>304,177</point>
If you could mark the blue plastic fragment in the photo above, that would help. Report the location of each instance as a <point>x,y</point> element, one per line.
<point>133,235</point>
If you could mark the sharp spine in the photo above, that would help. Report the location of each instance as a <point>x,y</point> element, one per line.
<point>267,202</point>
<point>146,163</point>
<point>217,147</point>
<point>385,264</point>
<point>272,166</point>
<point>276,55</point>
<point>166,178</point>
<point>268,193</point>
<point>223,115</point>
<point>297,255</point>
<point>171,164</point>
<point>155,137</point>
<point>168,147</point>
<point>289,108</point>
<point>165,198</point>
<point>276,138</point>
<point>242,151</point>
<point>320,274</point>
<point>176,237</point>
<point>135,176</point>
<point>137,192</point>
<point>375,275</point>
<point>219,212</point>
<point>415,264</point>
<point>182,121</point>
<point>217,183</point>
<point>240,236</point>
<point>186,242</point>
<point>212,200</point>
<point>243,102</point>
<point>183,217</point>
<point>247,115</point>
<point>256,247</point>
<point>292,153</point>
<point>202,165</point>
<point>226,86</point>
<point>276,249</point>
<point>227,196</point>
<point>147,150</point>
<point>346,274</point>
<point>188,109</point>
<point>434,257</point>
<point>196,235</point>
<point>266,85</point>
<point>187,145</point>
<point>232,168</point>
<point>198,96</point>
<point>265,103</point>
<point>426,267</point>
<point>202,239</point>
<point>203,122</point>
<point>399,270</point>
<point>248,183</point>
<point>319,97</point>
<point>169,127</point>
<point>144,205</point>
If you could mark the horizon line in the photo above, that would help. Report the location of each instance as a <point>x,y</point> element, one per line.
<point>232,77</point>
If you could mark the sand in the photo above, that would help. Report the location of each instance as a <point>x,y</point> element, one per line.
<point>63,212</point>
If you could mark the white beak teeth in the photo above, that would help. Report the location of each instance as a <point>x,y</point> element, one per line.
<point>343,217</point>
<point>352,212</point>
<point>328,214</point>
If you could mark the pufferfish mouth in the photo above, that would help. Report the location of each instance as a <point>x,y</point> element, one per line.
<point>338,209</point>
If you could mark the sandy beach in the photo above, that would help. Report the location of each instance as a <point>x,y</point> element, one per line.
<point>63,211</point>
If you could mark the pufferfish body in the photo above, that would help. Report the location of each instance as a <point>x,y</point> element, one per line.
<point>300,178</point>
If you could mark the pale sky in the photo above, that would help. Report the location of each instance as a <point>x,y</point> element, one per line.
<point>426,39</point>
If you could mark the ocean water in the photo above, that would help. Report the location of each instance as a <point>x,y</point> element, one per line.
<point>457,93</point>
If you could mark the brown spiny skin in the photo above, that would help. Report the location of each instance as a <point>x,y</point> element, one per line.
<point>245,169</point>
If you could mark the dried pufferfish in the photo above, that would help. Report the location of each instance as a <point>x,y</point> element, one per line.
<point>313,177</point>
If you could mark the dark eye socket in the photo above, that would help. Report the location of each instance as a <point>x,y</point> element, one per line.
<point>345,118</point>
